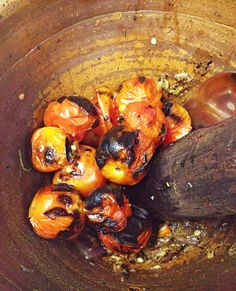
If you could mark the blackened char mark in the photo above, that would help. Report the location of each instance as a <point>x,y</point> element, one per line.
<point>61,99</point>
<point>62,187</point>
<point>56,212</point>
<point>176,118</point>
<point>141,79</point>
<point>95,199</point>
<point>233,77</point>
<point>72,229</point>
<point>108,223</point>
<point>143,168</point>
<point>49,155</point>
<point>119,88</point>
<point>69,154</point>
<point>114,141</point>
<point>136,225</point>
<point>167,108</point>
<point>65,199</point>
<point>83,102</point>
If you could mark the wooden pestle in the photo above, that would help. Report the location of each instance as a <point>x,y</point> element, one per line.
<point>195,177</point>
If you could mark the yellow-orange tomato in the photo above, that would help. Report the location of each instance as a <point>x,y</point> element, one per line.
<point>107,107</point>
<point>138,89</point>
<point>107,117</point>
<point>57,211</point>
<point>148,119</point>
<point>48,145</point>
<point>133,238</point>
<point>83,172</point>
<point>124,154</point>
<point>94,136</point>
<point>108,208</point>
<point>178,123</point>
<point>74,114</point>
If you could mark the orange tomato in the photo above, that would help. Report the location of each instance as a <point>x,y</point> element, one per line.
<point>148,119</point>
<point>48,146</point>
<point>82,172</point>
<point>74,114</point>
<point>133,238</point>
<point>107,107</point>
<point>108,208</point>
<point>178,123</point>
<point>138,89</point>
<point>57,211</point>
<point>107,117</point>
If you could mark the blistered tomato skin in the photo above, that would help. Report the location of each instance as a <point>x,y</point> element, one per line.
<point>74,114</point>
<point>124,154</point>
<point>108,109</point>
<point>148,119</point>
<point>82,172</point>
<point>133,238</point>
<point>57,211</point>
<point>48,146</point>
<point>178,122</point>
<point>107,117</point>
<point>138,89</point>
<point>108,209</point>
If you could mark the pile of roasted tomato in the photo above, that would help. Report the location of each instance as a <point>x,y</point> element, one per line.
<point>95,148</point>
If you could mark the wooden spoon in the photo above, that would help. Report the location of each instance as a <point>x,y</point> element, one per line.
<point>214,100</point>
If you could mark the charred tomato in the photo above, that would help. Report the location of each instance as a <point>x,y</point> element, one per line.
<point>74,114</point>
<point>138,89</point>
<point>133,238</point>
<point>107,117</point>
<point>148,119</point>
<point>108,208</point>
<point>178,122</point>
<point>82,172</point>
<point>57,211</point>
<point>124,154</point>
<point>48,147</point>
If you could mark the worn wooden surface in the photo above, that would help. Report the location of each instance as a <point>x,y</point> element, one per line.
<point>196,176</point>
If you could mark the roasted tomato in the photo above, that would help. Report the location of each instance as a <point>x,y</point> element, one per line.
<point>108,109</point>
<point>133,238</point>
<point>57,211</point>
<point>137,89</point>
<point>124,154</point>
<point>178,122</point>
<point>82,172</point>
<point>148,119</point>
<point>74,114</point>
<point>108,208</point>
<point>108,117</point>
<point>48,145</point>
<point>94,136</point>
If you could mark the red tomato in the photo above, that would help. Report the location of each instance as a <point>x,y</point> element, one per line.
<point>133,238</point>
<point>143,116</point>
<point>107,107</point>
<point>138,89</point>
<point>108,208</point>
<point>178,123</point>
<point>74,114</point>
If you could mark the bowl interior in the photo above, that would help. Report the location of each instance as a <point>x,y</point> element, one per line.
<point>99,50</point>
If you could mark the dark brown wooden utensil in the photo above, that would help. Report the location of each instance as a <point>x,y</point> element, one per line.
<point>196,176</point>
